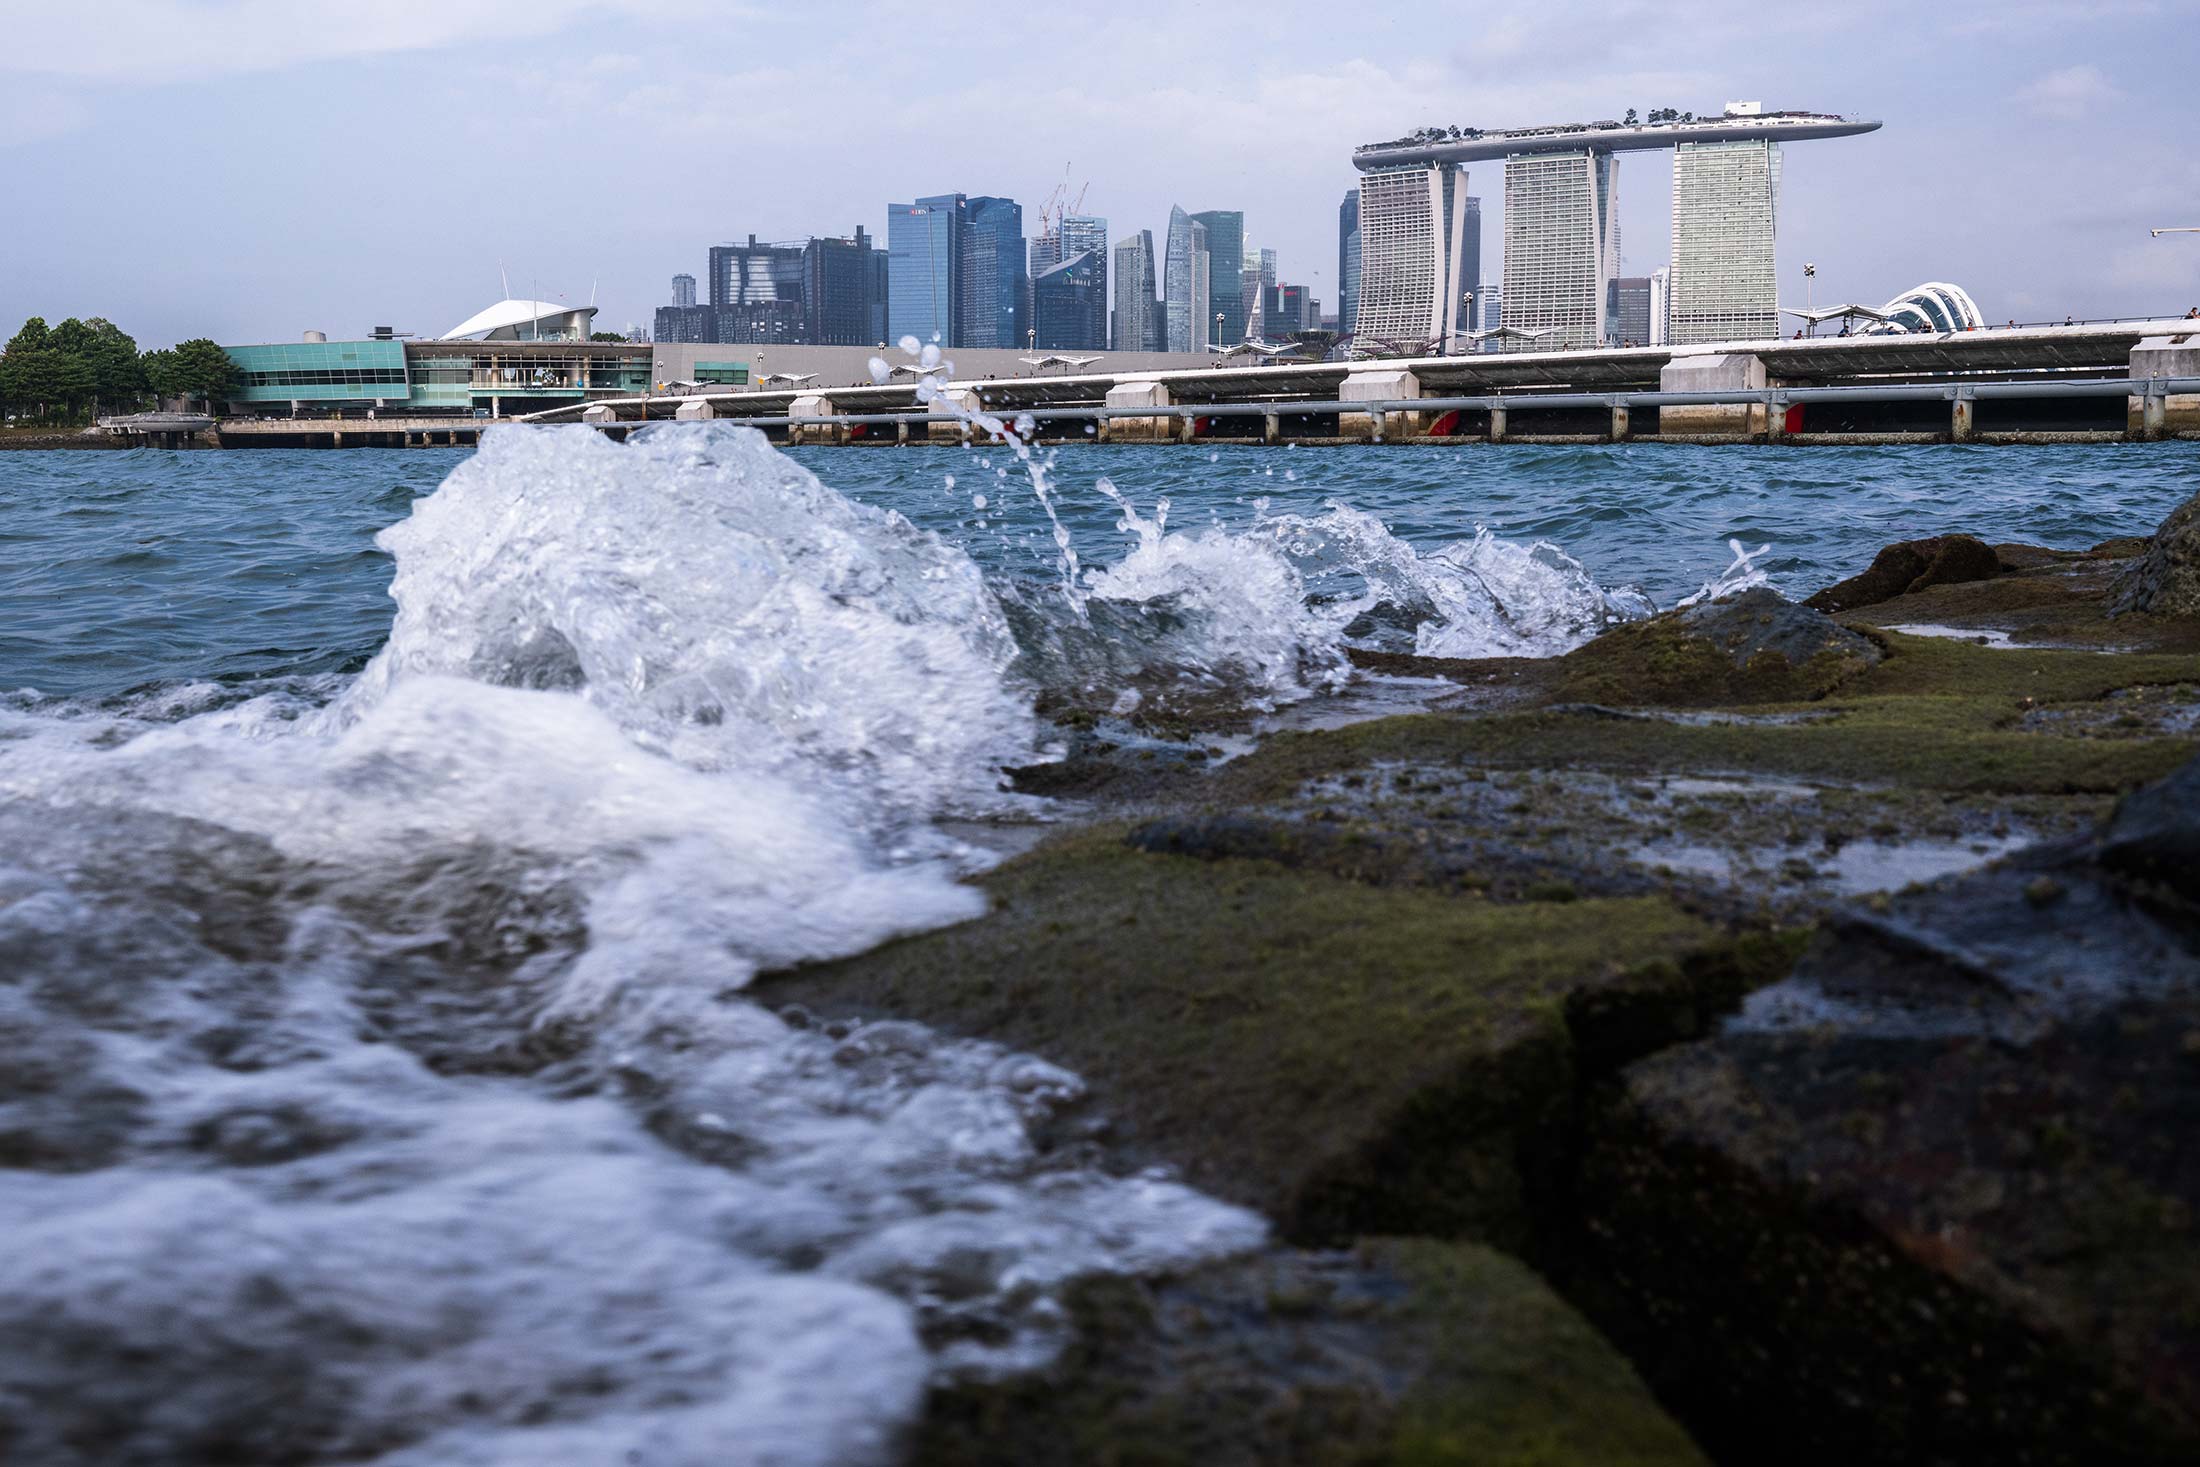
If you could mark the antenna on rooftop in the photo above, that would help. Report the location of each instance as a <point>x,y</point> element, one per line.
<point>506,276</point>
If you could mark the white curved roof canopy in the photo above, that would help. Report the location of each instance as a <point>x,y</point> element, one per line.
<point>507,318</point>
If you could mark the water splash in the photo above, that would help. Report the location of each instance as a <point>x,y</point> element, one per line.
<point>1742,575</point>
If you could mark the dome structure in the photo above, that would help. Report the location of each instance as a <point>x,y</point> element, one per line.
<point>1931,308</point>
<point>525,321</point>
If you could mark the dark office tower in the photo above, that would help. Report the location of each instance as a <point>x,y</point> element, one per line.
<point>1073,234</point>
<point>995,283</point>
<point>756,290</point>
<point>1137,311</point>
<point>1470,260</point>
<point>683,290</point>
<point>881,273</point>
<point>924,242</point>
<point>1348,260</point>
<point>686,323</point>
<point>839,285</point>
<point>1285,309</point>
<point>1070,304</point>
<point>1627,311</point>
<point>1225,271</point>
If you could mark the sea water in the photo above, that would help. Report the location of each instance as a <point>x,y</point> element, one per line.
<point>388,840</point>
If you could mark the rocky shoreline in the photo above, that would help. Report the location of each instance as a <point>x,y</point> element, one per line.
<point>1769,1032</point>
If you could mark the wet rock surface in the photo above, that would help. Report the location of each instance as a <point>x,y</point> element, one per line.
<point>1910,567</point>
<point>1934,1193</point>
<point>1395,1351</point>
<point>1815,1005</point>
<point>2165,579</point>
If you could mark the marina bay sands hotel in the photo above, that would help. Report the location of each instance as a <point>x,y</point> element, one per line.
<point>1562,228</point>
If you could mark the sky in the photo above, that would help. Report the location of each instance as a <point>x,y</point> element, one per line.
<point>250,169</point>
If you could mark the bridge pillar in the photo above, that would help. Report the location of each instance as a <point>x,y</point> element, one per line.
<point>2151,412</point>
<point>1963,418</point>
<point>695,411</point>
<point>1497,425</point>
<point>814,405</point>
<point>1138,394</point>
<point>1383,384</point>
<point>1714,372</point>
<point>1271,427</point>
<point>962,398</point>
<point>599,412</point>
<point>1619,422</point>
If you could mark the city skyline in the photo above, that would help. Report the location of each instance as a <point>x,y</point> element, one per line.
<point>607,182</point>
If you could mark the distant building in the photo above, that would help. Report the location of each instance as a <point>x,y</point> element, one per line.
<point>1489,306</point>
<point>1348,259</point>
<point>1258,279</point>
<point>924,242</point>
<point>1661,293</point>
<point>1285,309</point>
<point>1202,286</point>
<point>756,292</point>
<point>1177,283</point>
<point>683,290</point>
<point>1414,226</point>
<point>1069,304</point>
<point>1627,312</point>
<point>843,292</point>
<point>1726,196</point>
<point>688,323</point>
<point>1137,309</point>
<point>1561,244</point>
<point>995,281</point>
<point>1226,277</point>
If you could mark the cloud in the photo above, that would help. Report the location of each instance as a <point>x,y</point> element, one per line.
<point>139,41</point>
<point>32,114</point>
<point>2070,93</point>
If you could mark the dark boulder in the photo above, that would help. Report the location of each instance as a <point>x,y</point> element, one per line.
<point>2165,580</point>
<point>1933,1198</point>
<point>1912,565</point>
<point>1753,647</point>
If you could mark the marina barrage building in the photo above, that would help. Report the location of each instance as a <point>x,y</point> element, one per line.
<point>1561,223</point>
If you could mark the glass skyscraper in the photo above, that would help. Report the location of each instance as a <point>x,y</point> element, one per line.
<point>1137,311</point>
<point>1069,304</point>
<point>1561,244</point>
<point>683,290</point>
<point>1177,283</point>
<point>995,286</point>
<point>1348,260</point>
<point>1226,278</point>
<point>1726,198</point>
<point>924,247</point>
<point>843,299</point>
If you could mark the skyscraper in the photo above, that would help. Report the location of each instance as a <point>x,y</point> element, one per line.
<point>924,245</point>
<point>1226,278</point>
<point>683,290</point>
<point>1348,260</point>
<point>995,279</point>
<point>1258,279</point>
<point>756,292</point>
<point>843,298</point>
<point>1137,312</point>
<point>1202,284</point>
<point>1413,273</point>
<point>1627,313</point>
<point>1561,245</point>
<point>1069,304</point>
<point>1726,198</point>
<point>1177,283</point>
<point>1661,297</point>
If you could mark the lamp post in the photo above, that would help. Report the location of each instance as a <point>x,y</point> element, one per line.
<point>1216,339</point>
<point>1810,281</point>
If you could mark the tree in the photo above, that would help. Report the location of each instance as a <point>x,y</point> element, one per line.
<point>163,374</point>
<point>33,337</point>
<point>117,379</point>
<point>204,370</point>
<point>1630,118</point>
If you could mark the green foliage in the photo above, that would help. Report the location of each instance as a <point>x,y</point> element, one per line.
<point>203,370</point>
<point>67,372</point>
<point>605,336</point>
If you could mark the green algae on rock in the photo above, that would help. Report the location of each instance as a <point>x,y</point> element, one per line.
<point>1406,1352</point>
<point>1347,1058</point>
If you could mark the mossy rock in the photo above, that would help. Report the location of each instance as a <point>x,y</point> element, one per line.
<point>1755,647</point>
<point>1348,1059</point>
<point>1933,714</point>
<point>1412,1353</point>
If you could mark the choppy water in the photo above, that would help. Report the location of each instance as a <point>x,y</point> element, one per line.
<point>376,1081</point>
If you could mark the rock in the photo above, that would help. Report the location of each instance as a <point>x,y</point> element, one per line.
<point>1347,1058</point>
<point>2165,581</point>
<point>1753,647</point>
<point>1418,1352</point>
<point>1932,1198</point>
<point>1910,566</point>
